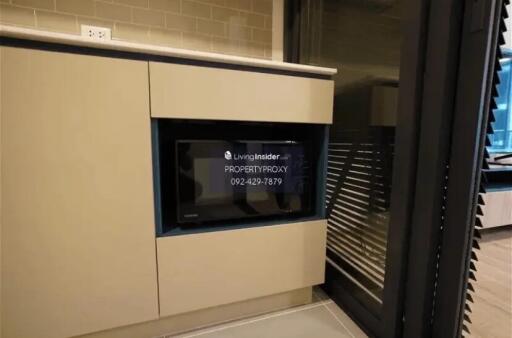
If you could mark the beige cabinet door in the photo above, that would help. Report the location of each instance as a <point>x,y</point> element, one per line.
<point>78,242</point>
<point>215,268</point>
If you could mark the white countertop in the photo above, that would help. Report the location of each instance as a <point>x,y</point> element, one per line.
<point>77,40</point>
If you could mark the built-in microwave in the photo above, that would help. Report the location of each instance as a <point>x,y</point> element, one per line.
<point>237,179</point>
<point>224,174</point>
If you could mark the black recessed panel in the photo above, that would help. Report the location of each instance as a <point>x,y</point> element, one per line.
<point>215,174</point>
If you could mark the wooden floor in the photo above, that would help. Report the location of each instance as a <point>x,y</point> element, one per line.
<point>492,309</point>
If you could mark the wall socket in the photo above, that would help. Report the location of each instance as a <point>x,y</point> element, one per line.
<point>96,33</point>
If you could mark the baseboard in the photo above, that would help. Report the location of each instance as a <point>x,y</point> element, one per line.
<point>208,317</point>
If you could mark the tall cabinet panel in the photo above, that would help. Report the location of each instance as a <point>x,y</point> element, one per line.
<point>78,242</point>
<point>1,56</point>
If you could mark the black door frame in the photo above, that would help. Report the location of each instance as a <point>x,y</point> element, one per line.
<point>480,42</point>
<point>438,99</point>
<point>460,57</point>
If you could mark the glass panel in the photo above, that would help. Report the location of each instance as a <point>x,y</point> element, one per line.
<point>502,138</point>
<point>362,39</point>
<point>501,141</point>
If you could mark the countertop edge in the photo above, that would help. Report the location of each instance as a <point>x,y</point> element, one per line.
<point>119,45</point>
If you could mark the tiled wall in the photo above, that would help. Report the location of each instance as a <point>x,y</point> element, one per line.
<point>239,27</point>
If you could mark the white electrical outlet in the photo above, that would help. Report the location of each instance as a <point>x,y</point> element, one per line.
<point>95,32</point>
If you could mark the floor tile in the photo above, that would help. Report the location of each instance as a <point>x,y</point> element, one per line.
<point>313,321</point>
<point>346,321</point>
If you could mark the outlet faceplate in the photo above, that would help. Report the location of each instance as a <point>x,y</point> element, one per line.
<point>96,33</point>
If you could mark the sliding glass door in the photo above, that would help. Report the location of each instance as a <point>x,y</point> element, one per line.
<point>372,148</point>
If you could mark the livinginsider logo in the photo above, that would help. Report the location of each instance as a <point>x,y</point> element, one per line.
<point>250,157</point>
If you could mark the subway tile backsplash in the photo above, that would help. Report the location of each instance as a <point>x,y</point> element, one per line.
<point>239,27</point>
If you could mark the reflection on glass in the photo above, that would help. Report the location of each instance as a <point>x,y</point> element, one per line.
<point>362,39</point>
<point>502,137</point>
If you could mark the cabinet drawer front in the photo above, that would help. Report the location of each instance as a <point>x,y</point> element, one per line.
<point>203,270</point>
<point>194,92</point>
